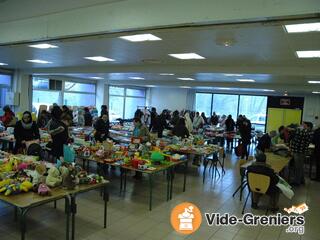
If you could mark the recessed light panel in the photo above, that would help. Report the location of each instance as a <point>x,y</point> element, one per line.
<point>245,80</point>
<point>3,64</point>
<point>315,92</point>
<point>43,46</point>
<point>98,78</point>
<point>38,61</point>
<point>314,82</point>
<point>99,59</point>
<point>186,79</point>
<point>186,56</point>
<point>166,74</point>
<point>268,90</point>
<point>233,75</point>
<point>141,37</point>
<point>136,78</point>
<point>185,87</point>
<point>303,27</point>
<point>308,54</point>
<point>223,88</point>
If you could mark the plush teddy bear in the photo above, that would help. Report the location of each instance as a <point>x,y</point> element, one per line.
<point>44,190</point>
<point>53,179</point>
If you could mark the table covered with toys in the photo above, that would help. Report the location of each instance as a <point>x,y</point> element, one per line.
<point>26,183</point>
<point>143,158</point>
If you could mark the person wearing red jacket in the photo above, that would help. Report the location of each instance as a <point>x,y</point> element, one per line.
<point>8,118</point>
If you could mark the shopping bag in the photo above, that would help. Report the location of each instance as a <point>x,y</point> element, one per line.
<point>285,188</point>
<point>69,154</point>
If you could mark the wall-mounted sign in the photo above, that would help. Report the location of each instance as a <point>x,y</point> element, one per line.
<point>285,102</point>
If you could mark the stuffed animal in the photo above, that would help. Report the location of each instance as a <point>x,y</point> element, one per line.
<point>38,174</point>
<point>64,171</point>
<point>44,190</point>
<point>16,188</point>
<point>53,179</point>
<point>69,181</point>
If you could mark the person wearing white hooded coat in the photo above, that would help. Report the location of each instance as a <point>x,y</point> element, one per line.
<point>189,124</point>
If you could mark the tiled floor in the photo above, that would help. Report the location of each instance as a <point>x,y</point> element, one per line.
<point>129,217</point>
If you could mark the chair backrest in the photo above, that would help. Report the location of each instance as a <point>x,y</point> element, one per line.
<point>258,183</point>
<point>34,116</point>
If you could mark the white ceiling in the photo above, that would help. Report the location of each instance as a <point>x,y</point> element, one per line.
<point>260,51</point>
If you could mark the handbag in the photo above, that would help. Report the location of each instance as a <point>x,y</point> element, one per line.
<point>69,154</point>
<point>239,150</point>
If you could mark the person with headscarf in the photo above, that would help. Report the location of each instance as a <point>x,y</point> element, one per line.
<point>58,131</point>
<point>67,113</point>
<point>8,119</point>
<point>189,124</point>
<point>43,119</point>
<point>104,110</point>
<point>198,121</point>
<point>24,131</point>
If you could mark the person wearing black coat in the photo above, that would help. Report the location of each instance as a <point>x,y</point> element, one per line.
<point>58,131</point>
<point>180,130</point>
<point>175,118</point>
<point>104,110</point>
<point>153,117</point>
<point>316,142</point>
<point>230,125</point>
<point>245,133</point>
<point>87,117</point>
<point>102,127</point>
<point>25,130</point>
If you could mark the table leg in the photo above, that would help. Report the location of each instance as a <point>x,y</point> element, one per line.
<point>23,213</point>
<point>125,180</point>
<point>150,189</point>
<point>67,212</point>
<point>105,199</point>
<point>88,162</point>
<point>168,184</point>
<point>171,181</point>
<point>15,217</point>
<point>241,189</point>
<point>73,213</point>
<point>121,179</point>
<point>83,163</point>
<point>55,204</point>
<point>205,164</point>
<point>185,176</point>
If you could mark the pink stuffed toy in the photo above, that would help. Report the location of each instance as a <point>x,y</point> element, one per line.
<point>44,190</point>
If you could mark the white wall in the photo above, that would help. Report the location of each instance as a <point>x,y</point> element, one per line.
<point>168,98</point>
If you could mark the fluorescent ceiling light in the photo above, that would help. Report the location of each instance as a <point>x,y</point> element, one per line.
<point>185,87</point>
<point>3,64</point>
<point>245,80</point>
<point>38,61</point>
<point>185,79</point>
<point>43,46</point>
<point>136,78</point>
<point>166,74</point>
<point>99,59</point>
<point>303,27</point>
<point>314,82</point>
<point>268,90</point>
<point>233,75</point>
<point>186,56</point>
<point>141,37</point>
<point>150,86</point>
<point>97,78</point>
<point>223,88</point>
<point>308,54</point>
<point>314,92</point>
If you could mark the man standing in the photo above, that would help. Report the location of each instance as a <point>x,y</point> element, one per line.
<point>316,141</point>
<point>299,146</point>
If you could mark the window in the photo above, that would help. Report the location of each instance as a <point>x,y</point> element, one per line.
<point>203,103</point>
<point>225,104</point>
<point>80,87</point>
<point>41,97</point>
<point>79,99</point>
<point>5,86</point>
<point>123,102</point>
<point>48,91</point>
<point>254,107</point>
<point>79,94</point>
